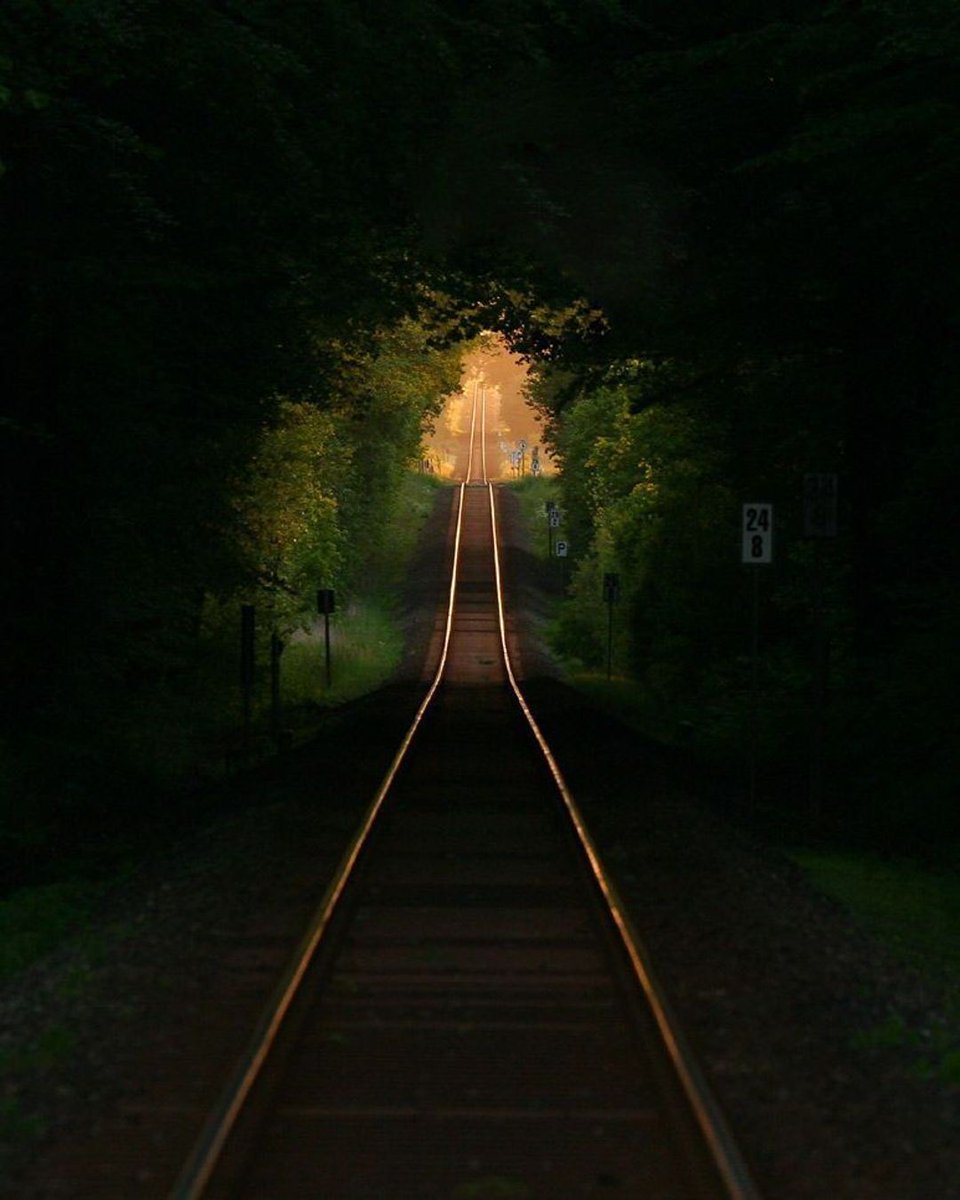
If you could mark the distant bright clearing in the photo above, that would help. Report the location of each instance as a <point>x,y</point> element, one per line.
<point>508,415</point>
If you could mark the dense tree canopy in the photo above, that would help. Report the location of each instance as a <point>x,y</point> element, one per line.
<point>240,239</point>
<point>801,319</point>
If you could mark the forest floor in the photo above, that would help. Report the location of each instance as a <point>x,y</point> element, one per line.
<point>796,1014</point>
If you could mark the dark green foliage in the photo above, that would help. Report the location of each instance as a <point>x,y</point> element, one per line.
<point>207,395</point>
<point>801,312</point>
<point>235,233</point>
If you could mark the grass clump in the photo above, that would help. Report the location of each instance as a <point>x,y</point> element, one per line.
<point>915,911</point>
<point>492,1187</point>
<point>935,1050</point>
<point>533,492</point>
<point>48,1050</point>
<point>33,920</point>
<point>912,908</point>
<point>365,647</point>
<point>16,1126</point>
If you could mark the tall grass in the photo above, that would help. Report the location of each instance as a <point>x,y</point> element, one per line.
<point>366,639</point>
<point>107,775</point>
<point>365,647</point>
<point>915,911</point>
<point>533,492</point>
<point>33,920</point>
<point>72,815</point>
<point>911,907</point>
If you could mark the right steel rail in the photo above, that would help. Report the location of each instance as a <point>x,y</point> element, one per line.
<point>202,1163</point>
<point>713,1124</point>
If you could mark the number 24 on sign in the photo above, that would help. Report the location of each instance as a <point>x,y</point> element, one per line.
<point>757,533</point>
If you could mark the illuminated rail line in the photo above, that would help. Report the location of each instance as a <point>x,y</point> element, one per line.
<point>478,426</point>
<point>708,1163</point>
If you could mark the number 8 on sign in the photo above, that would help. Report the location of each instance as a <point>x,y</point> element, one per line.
<point>756,544</point>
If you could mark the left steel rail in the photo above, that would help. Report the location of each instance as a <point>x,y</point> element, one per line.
<point>730,1165</point>
<point>208,1149</point>
<point>202,1163</point>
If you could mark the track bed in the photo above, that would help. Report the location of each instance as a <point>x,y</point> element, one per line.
<point>470,1024</point>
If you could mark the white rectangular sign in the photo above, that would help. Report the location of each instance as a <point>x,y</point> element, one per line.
<point>756,544</point>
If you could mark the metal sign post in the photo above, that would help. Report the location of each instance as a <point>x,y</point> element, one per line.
<point>247,667</point>
<point>820,493</point>
<point>553,522</point>
<point>756,549</point>
<point>276,649</point>
<point>611,594</point>
<point>326,604</point>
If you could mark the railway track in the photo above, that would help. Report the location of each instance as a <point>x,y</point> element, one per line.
<point>469,1015</point>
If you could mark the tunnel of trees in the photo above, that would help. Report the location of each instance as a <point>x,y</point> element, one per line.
<point>244,239</point>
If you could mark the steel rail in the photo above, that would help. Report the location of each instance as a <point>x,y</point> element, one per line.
<point>726,1155</point>
<point>479,404</point>
<point>483,434</point>
<point>202,1162</point>
<point>473,427</point>
<point>208,1149</point>
<point>205,1157</point>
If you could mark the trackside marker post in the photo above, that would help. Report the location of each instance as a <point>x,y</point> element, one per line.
<point>550,508</point>
<point>326,604</point>
<point>611,594</point>
<point>248,615</point>
<point>276,650</point>
<point>820,492</point>
<point>756,549</point>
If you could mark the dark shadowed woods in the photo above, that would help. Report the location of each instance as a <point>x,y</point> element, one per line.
<point>242,243</point>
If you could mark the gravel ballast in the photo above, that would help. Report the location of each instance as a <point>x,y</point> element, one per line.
<point>778,989</point>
